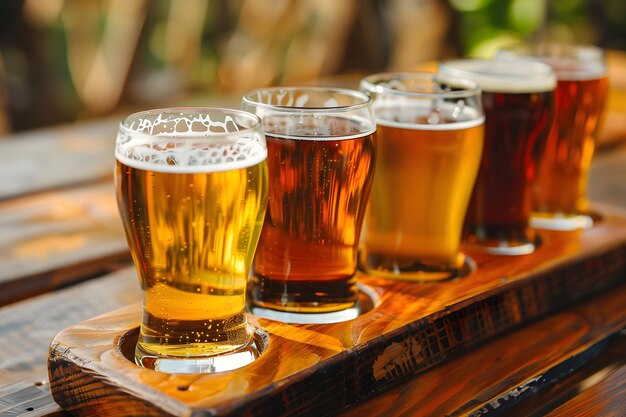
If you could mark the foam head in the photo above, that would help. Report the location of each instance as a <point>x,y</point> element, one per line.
<point>503,76</point>
<point>312,113</point>
<point>569,62</point>
<point>424,101</point>
<point>190,140</point>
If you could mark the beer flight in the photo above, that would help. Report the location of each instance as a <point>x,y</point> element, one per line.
<point>272,209</point>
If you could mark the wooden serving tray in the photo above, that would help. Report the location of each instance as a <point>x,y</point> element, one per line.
<point>321,369</point>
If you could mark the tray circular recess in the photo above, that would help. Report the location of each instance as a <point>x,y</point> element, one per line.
<point>127,342</point>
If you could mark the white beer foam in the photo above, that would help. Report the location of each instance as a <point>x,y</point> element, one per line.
<point>503,76</point>
<point>573,70</point>
<point>188,145</point>
<point>404,113</point>
<point>569,62</point>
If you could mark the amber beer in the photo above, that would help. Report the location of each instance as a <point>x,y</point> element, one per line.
<point>430,141</point>
<point>518,102</point>
<point>560,191</point>
<point>192,205</point>
<point>320,160</point>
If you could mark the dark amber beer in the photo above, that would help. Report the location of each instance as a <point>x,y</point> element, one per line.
<point>320,161</point>
<point>560,192</point>
<point>562,182</point>
<point>519,104</point>
<point>192,190</point>
<point>430,140</point>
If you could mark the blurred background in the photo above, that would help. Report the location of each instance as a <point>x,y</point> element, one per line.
<point>68,60</point>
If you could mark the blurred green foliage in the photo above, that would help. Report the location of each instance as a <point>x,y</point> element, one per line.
<point>63,60</point>
<point>486,25</point>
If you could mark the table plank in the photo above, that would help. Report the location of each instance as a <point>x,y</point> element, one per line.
<point>27,328</point>
<point>57,157</point>
<point>54,238</point>
<point>606,397</point>
<point>501,370</point>
<point>598,388</point>
<point>72,154</point>
<point>483,373</point>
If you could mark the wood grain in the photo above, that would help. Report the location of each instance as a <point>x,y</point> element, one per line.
<point>501,376</point>
<point>28,327</point>
<point>593,388</point>
<point>607,398</point>
<point>504,364</point>
<point>324,368</point>
<point>54,238</point>
<point>72,154</point>
<point>57,157</point>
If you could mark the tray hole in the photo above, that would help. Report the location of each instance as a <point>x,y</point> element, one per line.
<point>127,342</point>
<point>182,387</point>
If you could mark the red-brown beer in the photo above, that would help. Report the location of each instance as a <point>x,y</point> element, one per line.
<point>516,129</point>
<point>320,163</point>
<point>306,258</point>
<point>518,101</point>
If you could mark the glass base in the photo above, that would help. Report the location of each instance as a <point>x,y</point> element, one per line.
<point>203,364</point>
<point>505,247</point>
<point>560,221</point>
<point>303,296</point>
<point>417,271</point>
<point>367,299</point>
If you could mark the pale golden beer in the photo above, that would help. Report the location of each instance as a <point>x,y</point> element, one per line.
<point>192,190</point>
<point>430,140</point>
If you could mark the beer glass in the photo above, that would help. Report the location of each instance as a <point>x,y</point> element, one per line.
<point>320,145</point>
<point>430,140</point>
<point>192,190</point>
<point>559,194</point>
<point>519,104</point>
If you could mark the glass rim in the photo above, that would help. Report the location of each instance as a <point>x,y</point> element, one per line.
<point>556,50</point>
<point>365,102</point>
<point>470,87</point>
<point>255,126</point>
<point>569,61</point>
<point>533,77</point>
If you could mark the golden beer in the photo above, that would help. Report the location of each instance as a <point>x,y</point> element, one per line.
<point>192,208</point>
<point>430,141</point>
<point>418,219</point>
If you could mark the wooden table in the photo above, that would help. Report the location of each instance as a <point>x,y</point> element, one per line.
<point>63,260</point>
